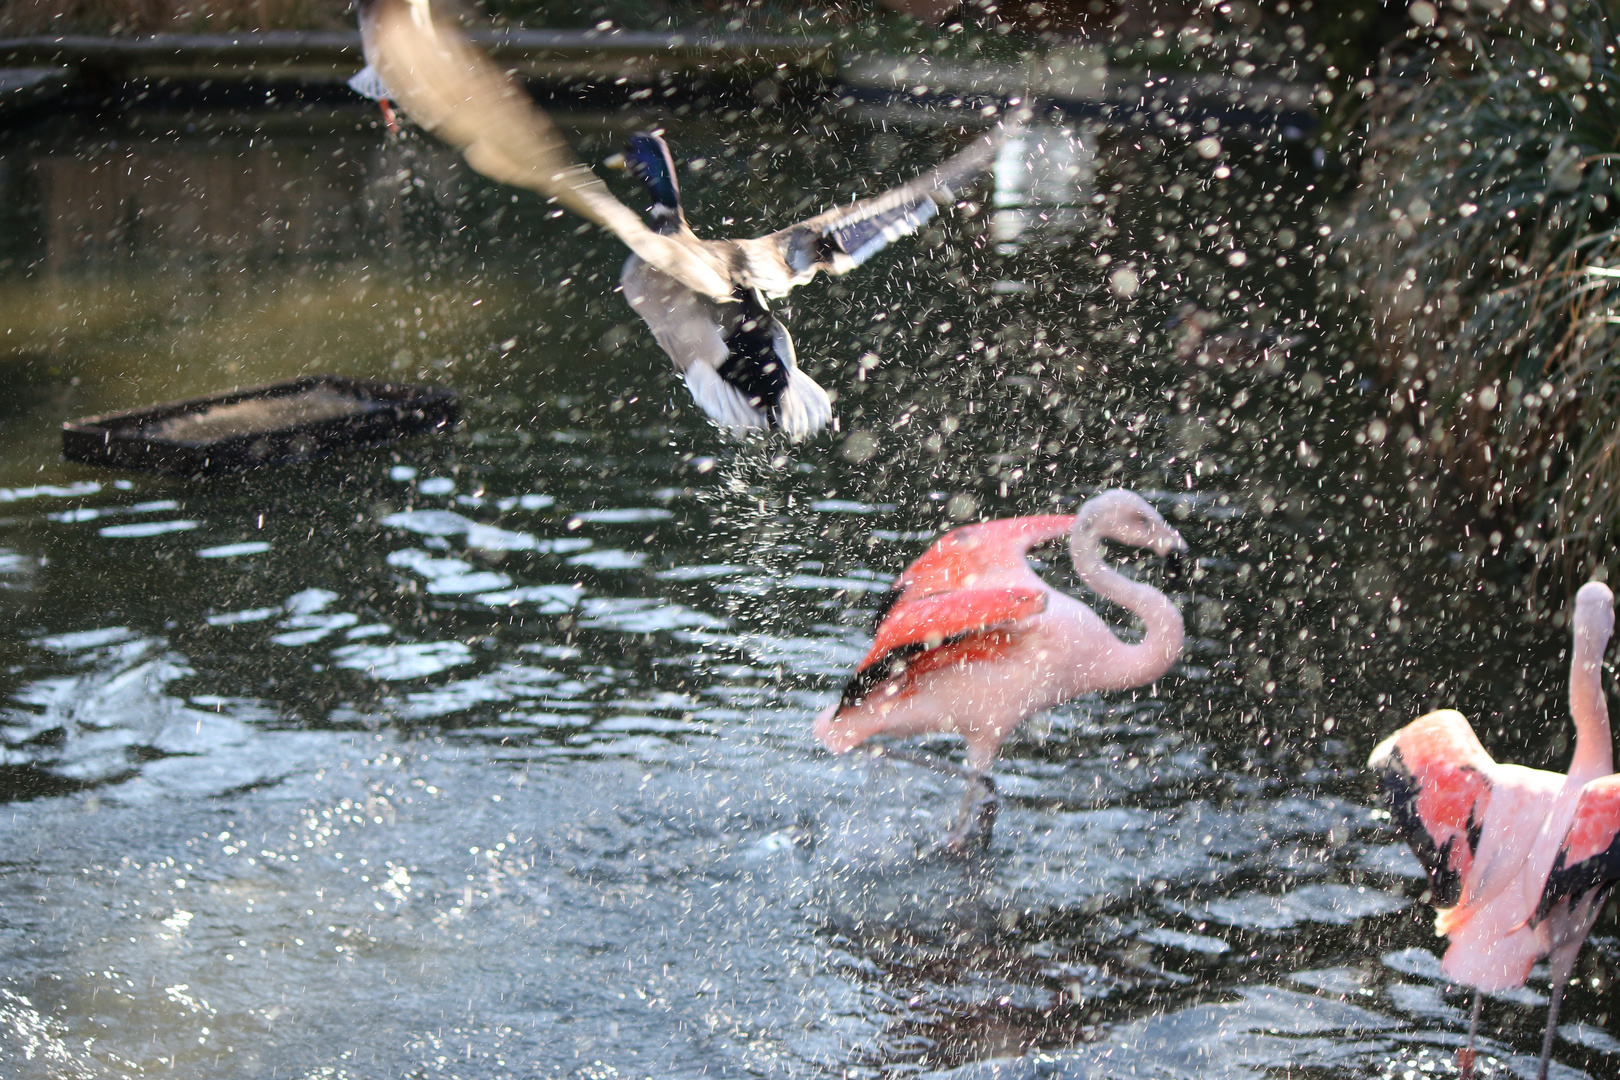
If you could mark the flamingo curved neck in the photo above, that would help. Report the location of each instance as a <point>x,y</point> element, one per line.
<point>1594,748</point>
<point>1150,658</point>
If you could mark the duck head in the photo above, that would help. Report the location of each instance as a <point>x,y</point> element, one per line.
<point>647,157</point>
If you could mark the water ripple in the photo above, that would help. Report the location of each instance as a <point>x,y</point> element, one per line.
<point>397,662</point>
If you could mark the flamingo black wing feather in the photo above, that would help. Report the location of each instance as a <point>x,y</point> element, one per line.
<point>1589,858</point>
<point>1436,781</point>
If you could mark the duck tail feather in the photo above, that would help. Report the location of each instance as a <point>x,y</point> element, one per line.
<point>722,402</point>
<point>804,408</point>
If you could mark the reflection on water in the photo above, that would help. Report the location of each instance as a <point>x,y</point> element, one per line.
<point>489,756</point>
<point>1042,183</point>
<point>229,200</point>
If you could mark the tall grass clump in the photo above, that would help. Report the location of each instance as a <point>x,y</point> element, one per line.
<point>1486,247</point>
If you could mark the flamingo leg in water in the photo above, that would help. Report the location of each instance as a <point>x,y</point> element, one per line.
<point>981,796</point>
<point>1552,1026</point>
<point>926,761</point>
<point>1560,965</point>
<point>1465,1057</point>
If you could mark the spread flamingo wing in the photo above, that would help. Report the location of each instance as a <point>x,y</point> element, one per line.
<point>1437,782</point>
<point>1589,858</point>
<point>980,554</point>
<point>920,634</point>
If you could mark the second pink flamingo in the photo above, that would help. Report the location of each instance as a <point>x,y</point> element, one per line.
<point>1519,860</point>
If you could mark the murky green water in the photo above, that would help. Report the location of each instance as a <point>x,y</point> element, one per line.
<point>490,756</point>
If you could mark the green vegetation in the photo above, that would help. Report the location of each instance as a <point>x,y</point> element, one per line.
<point>1486,244</point>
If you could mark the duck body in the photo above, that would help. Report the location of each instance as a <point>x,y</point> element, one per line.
<point>737,358</point>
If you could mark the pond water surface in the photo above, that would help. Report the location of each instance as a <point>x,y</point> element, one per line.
<point>490,755</point>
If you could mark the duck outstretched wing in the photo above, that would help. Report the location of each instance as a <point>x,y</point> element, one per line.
<point>1589,858</point>
<point>1437,781</point>
<point>839,240</point>
<point>454,90</point>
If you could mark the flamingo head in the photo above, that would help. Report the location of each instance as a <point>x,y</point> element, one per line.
<point>1126,518</point>
<point>1594,613</point>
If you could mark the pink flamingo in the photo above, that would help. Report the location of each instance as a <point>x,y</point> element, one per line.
<point>971,641</point>
<point>1518,859</point>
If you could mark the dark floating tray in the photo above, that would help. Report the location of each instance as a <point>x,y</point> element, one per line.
<point>263,425</point>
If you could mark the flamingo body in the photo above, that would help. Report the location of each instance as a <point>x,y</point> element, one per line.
<point>1481,831</point>
<point>971,641</point>
<point>1518,859</point>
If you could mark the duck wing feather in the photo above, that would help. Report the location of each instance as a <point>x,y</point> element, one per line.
<point>841,239</point>
<point>454,90</point>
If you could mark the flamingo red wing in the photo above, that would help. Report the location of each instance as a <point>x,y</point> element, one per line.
<point>1589,857</point>
<point>955,602</point>
<point>980,553</point>
<point>969,622</point>
<point>1436,779</point>
<point>934,620</point>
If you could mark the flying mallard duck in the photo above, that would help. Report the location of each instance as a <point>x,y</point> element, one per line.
<point>705,300</point>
